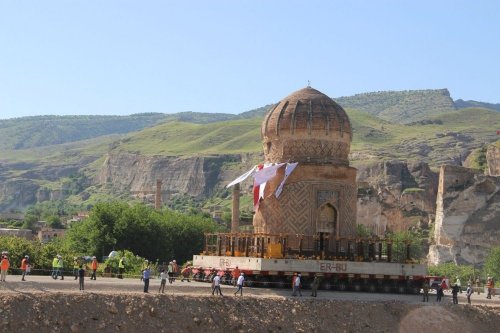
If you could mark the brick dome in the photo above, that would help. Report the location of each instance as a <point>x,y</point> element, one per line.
<point>308,127</point>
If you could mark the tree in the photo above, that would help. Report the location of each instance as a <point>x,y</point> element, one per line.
<point>451,271</point>
<point>152,234</point>
<point>29,221</point>
<point>400,241</point>
<point>54,222</point>
<point>492,264</point>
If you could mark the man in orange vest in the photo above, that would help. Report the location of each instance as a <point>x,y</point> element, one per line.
<point>4,266</point>
<point>235,275</point>
<point>24,265</point>
<point>94,267</point>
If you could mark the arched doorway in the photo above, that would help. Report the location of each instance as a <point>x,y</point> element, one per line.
<point>327,224</point>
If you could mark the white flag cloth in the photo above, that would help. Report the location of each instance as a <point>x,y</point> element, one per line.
<point>242,177</point>
<point>266,173</point>
<point>288,170</point>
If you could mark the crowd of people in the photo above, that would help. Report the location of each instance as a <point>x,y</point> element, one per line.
<point>456,288</point>
<point>169,272</point>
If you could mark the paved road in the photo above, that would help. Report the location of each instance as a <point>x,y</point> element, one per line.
<point>42,284</point>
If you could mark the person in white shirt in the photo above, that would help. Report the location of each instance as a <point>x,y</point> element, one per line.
<point>239,284</point>
<point>297,285</point>
<point>216,285</point>
<point>163,277</point>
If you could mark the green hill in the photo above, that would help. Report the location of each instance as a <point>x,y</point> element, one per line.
<point>39,131</point>
<point>401,106</point>
<point>461,104</point>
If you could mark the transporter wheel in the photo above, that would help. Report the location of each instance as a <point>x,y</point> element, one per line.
<point>281,283</point>
<point>250,281</point>
<point>401,288</point>
<point>371,287</point>
<point>386,288</point>
<point>414,289</point>
<point>357,286</point>
<point>327,285</point>
<point>342,285</point>
<point>264,282</point>
<point>225,280</point>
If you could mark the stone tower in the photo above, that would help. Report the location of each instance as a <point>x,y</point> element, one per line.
<point>319,197</point>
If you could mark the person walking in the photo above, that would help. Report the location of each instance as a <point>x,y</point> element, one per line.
<point>216,285</point>
<point>239,284</point>
<point>489,287</point>
<point>146,274</point>
<point>186,272</point>
<point>94,266</point>
<point>439,293</point>
<point>60,267</point>
<point>81,278</point>
<point>4,267</point>
<point>459,284</point>
<point>24,266</point>
<point>170,272</point>
<point>163,281</point>
<point>145,264</point>
<point>469,293</point>
<point>425,289</point>
<point>121,267</point>
<point>175,270</point>
<point>76,267</point>
<point>314,286</point>
<point>54,267</point>
<point>297,286</point>
<point>235,274</point>
<point>454,292</point>
<point>478,285</point>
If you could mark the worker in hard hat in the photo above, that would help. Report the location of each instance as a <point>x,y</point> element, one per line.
<point>24,266</point>
<point>94,266</point>
<point>121,267</point>
<point>4,267</point>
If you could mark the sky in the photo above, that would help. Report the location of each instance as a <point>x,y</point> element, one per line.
<point>120,57</point>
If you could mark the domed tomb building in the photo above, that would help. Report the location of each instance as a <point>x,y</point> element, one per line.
<point>319,196</point>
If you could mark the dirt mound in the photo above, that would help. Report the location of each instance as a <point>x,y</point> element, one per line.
<point>92,312</point>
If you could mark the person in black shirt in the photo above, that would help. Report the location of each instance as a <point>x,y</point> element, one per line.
<point>81,277</point>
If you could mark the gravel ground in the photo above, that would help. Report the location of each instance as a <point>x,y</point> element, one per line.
<point>42,304</point>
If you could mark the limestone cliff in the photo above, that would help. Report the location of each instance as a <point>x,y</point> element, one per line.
<point>395,196</point>
<point>467,220</point>
<point>195,176</point>
<point>493,159</point>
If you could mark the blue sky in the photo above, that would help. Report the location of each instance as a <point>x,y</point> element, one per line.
<point>123,57</point>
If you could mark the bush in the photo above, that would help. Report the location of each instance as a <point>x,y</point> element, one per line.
<point>451,271</point>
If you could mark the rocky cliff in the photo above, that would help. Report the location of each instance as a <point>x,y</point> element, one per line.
<point>395,196</point>
<point>196,176</point>
<point>467,223</point>
<point>493,159</point>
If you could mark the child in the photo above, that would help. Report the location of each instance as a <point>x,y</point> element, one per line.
<point>81,276</point>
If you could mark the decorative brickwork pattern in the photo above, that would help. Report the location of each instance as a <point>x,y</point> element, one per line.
<point>297,209</point>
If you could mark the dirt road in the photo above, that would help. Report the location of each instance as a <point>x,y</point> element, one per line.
<point>113,305</point>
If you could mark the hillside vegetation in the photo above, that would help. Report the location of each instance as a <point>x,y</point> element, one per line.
<point>50,154</point>
<point>401,106</point>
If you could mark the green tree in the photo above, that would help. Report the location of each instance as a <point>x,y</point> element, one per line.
<point>492,264</point>
<point>400,242</point>
<point>155,235</point>
<point>29,221</point>
<point>54,221</point>
<point>451,271</point>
